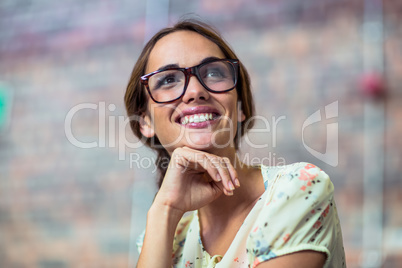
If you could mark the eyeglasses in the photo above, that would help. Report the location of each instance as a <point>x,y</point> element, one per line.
<point>170,84</point>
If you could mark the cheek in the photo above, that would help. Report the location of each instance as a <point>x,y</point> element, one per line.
<point>154,110</point>
<point>160,116</point>
<point>233,105</point>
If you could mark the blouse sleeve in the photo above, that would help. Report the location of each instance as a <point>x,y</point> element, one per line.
<point>299,213</point>
<point>140,241</point>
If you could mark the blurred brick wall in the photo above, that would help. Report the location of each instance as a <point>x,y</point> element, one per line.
<point>63,206</point>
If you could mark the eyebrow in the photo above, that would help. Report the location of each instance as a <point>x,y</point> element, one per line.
<point>175,65</point>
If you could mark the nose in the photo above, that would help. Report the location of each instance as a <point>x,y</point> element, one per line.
<point>195,91</point>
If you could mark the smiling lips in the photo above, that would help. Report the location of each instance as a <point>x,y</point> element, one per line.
<point>197,118</point>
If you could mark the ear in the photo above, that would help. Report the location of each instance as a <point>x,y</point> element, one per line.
<point>240,116</point>
<point>146,126</point>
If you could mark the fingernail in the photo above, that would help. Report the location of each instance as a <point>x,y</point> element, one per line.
<point>229,192</point>
<point>231,185</point>
<point>218,177</point>
<point>237,182</point>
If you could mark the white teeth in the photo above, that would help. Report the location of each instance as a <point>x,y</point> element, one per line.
<point>196,118</point>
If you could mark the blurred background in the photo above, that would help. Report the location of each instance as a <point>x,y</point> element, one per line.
<point>75,185</point>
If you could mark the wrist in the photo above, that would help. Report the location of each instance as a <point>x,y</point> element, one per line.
<point>165,213</point>
<point>159,235</point>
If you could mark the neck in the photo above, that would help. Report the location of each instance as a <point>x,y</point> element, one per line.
<point>225,208</point>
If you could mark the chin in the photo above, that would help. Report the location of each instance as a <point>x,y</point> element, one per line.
<point>203,143</point>
<point>200,145</point>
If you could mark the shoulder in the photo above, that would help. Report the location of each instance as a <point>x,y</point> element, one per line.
<point>297,178</point>
<point>298,213</point>
<point>292,170</point>
<point>297,190</point>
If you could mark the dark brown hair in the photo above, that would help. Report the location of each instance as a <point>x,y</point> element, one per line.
<point>136,98</point>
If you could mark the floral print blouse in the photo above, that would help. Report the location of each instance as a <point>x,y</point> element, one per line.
<point>296,212</point>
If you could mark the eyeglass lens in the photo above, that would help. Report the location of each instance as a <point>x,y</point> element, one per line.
<point>169,85</point>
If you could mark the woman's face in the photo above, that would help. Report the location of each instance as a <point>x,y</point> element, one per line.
<point>168,120</point>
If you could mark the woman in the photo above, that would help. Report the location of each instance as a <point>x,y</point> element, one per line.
<point>211,210</point>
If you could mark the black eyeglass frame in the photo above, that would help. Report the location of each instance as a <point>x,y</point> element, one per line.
<point>192,71</point>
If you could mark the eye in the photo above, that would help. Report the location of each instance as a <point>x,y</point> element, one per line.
<point>214,73</point>
<point>167,80</point>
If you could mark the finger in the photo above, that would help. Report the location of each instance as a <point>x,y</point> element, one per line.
<point>221,188</point>
<point>221,166</point>
<point>233,172</point>
<point>226,192</point>
<point>193,160</point>
<point>211,164</point>
<point>215,166</point>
